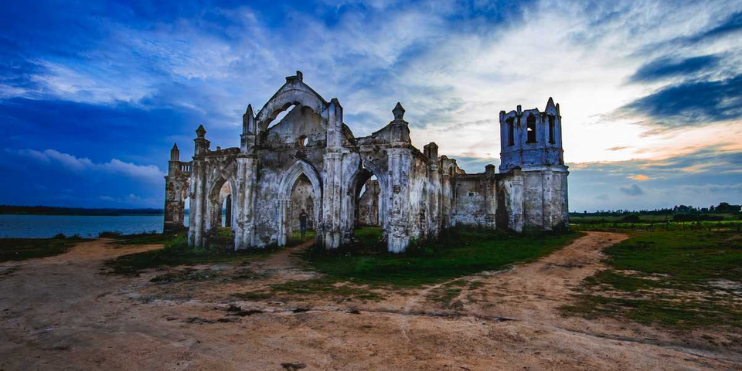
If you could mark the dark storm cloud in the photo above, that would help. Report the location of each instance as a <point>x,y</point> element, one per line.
<point>730,25</point>
<point>693,103</point>
<point>664,68</point>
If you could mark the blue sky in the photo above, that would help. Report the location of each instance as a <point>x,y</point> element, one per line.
<point>94,94</point>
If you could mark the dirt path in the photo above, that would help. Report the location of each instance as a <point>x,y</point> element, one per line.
<point>60,313</point>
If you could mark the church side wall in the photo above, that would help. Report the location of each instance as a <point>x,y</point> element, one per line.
<point>533,200</point>
<point>470,208</point>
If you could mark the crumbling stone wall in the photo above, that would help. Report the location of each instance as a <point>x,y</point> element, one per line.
<point>310,159</point>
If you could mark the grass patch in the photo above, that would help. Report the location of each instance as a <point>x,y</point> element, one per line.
<point>669,278</point>
<point>177,252</point>
<point>325,286</point>
<point>651,223</point>
<point>16,249</point>
<point>186,275</point>
<point>253,295</point>
<point>147,238</point>
<point>458,253</point>
<point>296,238</point>
<point>445,296</point>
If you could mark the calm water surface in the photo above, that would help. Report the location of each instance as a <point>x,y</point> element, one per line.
<point>44,226</point>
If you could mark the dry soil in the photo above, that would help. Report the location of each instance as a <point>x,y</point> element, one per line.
<point>66,313</point>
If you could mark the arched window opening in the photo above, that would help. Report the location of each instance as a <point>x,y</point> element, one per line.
<point>225,206</point>
<point>511,132</point>
<point>551,130</point>
<point>368,203</point>
<point>531,129</point>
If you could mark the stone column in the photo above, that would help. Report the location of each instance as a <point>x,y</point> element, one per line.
<point>490,197</point>
<point>244,229</point>
<point>434,191</point>
<point>398,220</point>
<point>198,189</point>
<point>332,201</point>
<point>283,220</point>
<point>198,204</point>
<point>446,198</point>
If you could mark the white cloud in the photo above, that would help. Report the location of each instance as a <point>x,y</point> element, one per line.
<point>147,173</point>
<point>453,77</point>
<point>150,173</point>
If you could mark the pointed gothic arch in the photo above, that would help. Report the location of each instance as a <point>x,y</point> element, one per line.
<point>285,187</point>
<point>293,92</point>
<point>225,175</point>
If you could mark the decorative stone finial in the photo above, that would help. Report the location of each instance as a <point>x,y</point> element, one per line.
<point>175,153</point>
<point>550,104</point>
<point>247,120</point>
<point>398,112</point>
<point>299,75</point>
<point>201,132</point>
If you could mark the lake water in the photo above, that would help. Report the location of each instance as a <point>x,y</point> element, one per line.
<point>44,226</point>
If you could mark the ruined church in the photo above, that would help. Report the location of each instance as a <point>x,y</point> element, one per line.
<point>310,160</point>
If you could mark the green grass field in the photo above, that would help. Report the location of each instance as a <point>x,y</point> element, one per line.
<point>655,222</point>
<point>459,252</point>
<point>139,238</point>
<point>14,249</point>
<point>688,278</point>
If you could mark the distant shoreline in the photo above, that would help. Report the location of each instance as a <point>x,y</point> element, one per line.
<point>75,211</point>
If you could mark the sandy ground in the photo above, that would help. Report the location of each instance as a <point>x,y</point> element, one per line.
<point>64,313</point>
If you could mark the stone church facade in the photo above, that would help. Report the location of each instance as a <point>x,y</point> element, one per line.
<point>311,160</point>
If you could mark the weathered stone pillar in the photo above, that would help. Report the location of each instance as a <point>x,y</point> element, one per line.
<point>196,232</point>
<point>332,201</point>
<point>244,196</point>
<point>283,221</point>
<point>399,231</point>
<point>434,191</point>
<point>244,228</point>
<point>446,193</point>
<point>333,178</point>
<point>490,197</point>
